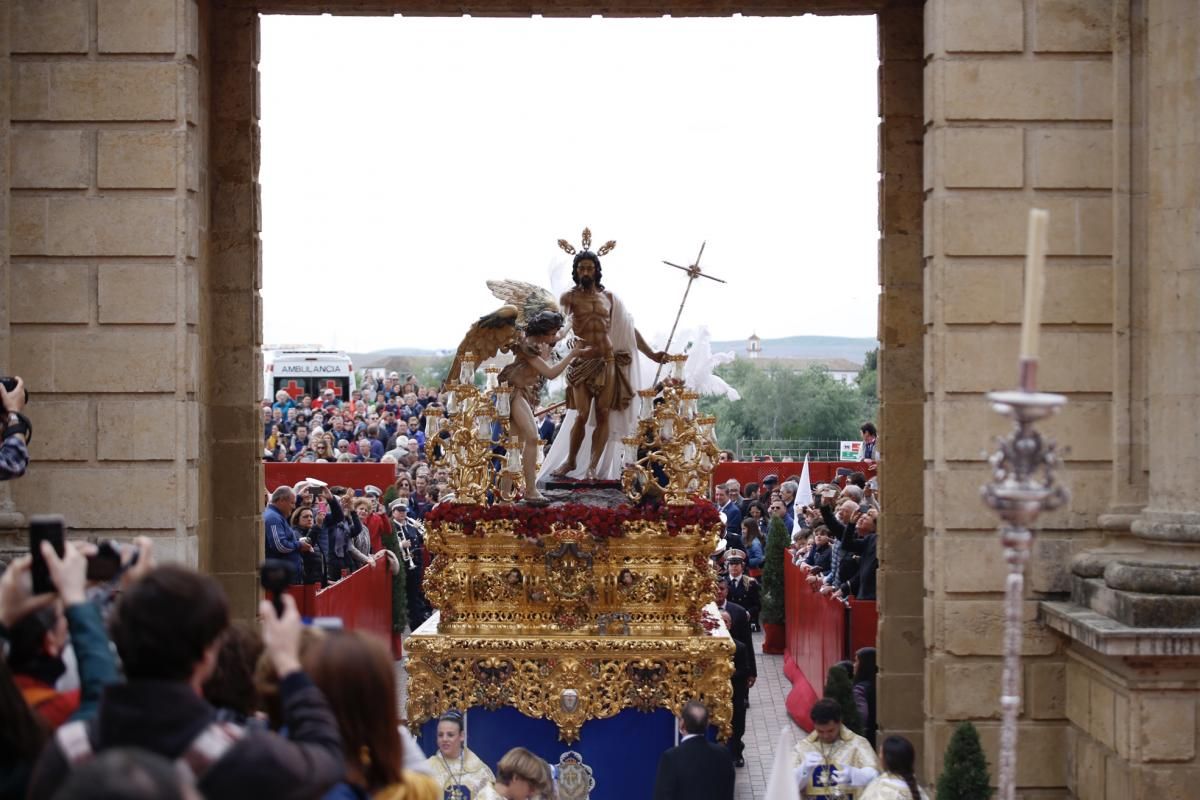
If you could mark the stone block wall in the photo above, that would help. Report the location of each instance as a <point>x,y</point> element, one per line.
<point>1019,112</point>
<point>101,128</point>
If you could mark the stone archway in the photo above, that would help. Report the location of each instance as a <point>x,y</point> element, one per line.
<point>233,277</point>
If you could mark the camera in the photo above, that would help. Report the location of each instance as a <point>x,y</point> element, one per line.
<point>10,385</point>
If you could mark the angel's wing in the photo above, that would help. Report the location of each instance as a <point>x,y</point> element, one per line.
<point>490,333</point>
<point>528,298</point>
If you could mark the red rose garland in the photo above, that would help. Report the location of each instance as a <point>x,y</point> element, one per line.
<point>535,522</point>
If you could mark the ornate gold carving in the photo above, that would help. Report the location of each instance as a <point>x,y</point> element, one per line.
<point>569,679</point>
<point>569,581</point>
<point>672,444</point>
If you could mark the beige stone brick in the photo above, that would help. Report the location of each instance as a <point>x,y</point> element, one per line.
<point>969,429</point>
<point>147,160</point>
<point>93,90</point>
<point>903,590</point>
<point>1167,727</point>
<point>32,353</point>
<point>1050,566</point>
<point>50,159</point>
<point>895,694</point>
<point>952,499</point>
<point>981,157</point>
<point>135,430</point>
<point>136,26</point>
<point>49,26</point>
<point>967,563</point>
<point>972,27</point>
<point>1026,90</point>
<point>1047,690</point>
<point>979,292</point>
<point>987,224</point>
<point>27,225</point>
<point>63,428</point>
<point>1078,703</point>
<point>137,293</point>
<point>89,361</point>
<point>50,292</point>
<point>901,642</point>
<point>969,690</point>
<point>1103,715</point>
<point>93,489</point>
<point>976,628</point>
<point>1073,26</point>
<point>1116,778</point>
<point>1124,726</point>
<point>105,226</point>
<point>1072,159</point>
<point>985,360</point>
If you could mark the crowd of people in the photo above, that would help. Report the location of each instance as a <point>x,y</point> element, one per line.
<point>173,701</point>
<point>139,685</point>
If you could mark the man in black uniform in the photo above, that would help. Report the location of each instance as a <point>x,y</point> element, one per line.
<point>743,589</point>
<point>739,629</point>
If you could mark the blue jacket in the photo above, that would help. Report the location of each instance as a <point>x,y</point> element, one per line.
<point>282,542</point>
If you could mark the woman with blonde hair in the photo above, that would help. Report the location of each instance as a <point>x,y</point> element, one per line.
<point>521,775</point>
<point>356,674</point>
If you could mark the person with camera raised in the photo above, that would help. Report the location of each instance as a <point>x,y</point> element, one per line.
<point>14,454</point>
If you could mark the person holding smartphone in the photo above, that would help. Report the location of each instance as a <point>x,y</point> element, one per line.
<point>38,628</point>
<point>14,453</point>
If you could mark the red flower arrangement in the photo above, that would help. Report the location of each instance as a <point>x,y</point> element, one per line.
<point>535,522</point>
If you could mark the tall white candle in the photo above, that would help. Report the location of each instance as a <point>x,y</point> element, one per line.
<point>1035,282</point>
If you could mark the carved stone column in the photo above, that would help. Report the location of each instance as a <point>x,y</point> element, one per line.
<point>1160,586</point>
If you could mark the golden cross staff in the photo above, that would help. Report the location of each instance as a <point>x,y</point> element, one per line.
<point>693,272</point>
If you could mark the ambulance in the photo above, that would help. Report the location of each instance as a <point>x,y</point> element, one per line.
<point>304,371</point>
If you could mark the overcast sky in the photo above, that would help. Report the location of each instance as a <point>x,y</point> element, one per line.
<point>407,160</point>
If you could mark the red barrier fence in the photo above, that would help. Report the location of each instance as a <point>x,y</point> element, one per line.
<point>356,476</point>
<point>363,601</point>
<point>820,632</point>
<point>754,471</point>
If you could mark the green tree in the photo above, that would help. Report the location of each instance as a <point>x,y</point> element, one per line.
<point>781,403</point>
<point>965,771</point>
<point>838,687</point>
<point>868,383</point>
<point>772,578</point>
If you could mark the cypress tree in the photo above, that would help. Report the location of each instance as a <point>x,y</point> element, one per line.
<point>772,612</point>
<point>838,687</point>
<point>965,771</point>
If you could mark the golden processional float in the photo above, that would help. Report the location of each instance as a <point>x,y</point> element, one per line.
<point>585,619</point>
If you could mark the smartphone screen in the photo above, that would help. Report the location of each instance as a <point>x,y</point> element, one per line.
<point>47,528</point>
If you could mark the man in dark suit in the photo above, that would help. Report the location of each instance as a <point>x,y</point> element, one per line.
<point>740,631</point>
<point>741,673</point>
<point>696,767</point>
<point>729,507</point>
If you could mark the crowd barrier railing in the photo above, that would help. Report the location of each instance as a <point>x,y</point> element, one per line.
<point>356,476</point>
<point>362,601</point>
<point>754,471</point>
<point>820,632</point>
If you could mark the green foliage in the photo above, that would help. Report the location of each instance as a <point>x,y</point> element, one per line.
<point>772,578</point>
<point>780,403</point>
<point>399,596</point>
<point>838,687</point>
<point>965,772</point>
<point>868,383</point>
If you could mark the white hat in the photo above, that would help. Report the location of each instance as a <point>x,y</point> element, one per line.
<point>314,482</point>
<point>397,503</point>
<point>300,487</point>
<point>372,491</point>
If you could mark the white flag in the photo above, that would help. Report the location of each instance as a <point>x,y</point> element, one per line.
<point>782,783</point>
<point>804,497</point>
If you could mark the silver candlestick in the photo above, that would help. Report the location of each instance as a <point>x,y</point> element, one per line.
<point>1022,487</point>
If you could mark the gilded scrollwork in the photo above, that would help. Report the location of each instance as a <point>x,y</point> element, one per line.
<point>569,679</point>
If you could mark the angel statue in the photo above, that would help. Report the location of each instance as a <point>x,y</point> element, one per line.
<point>528,326</point>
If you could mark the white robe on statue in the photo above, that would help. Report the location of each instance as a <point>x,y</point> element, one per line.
<point>621,423</point>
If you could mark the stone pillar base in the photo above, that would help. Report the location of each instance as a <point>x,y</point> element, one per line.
<point>1136,608</point>
<point>1131,697</point>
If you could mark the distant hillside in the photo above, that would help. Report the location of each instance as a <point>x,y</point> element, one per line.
<point>809,347</point>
